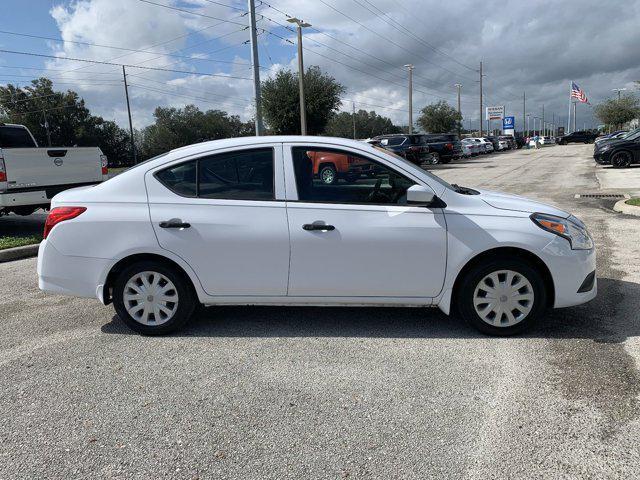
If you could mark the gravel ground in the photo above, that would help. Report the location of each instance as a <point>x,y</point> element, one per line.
<point>336,392</point>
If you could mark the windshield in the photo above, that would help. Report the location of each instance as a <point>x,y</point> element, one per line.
<point>632,135</point>
<point>412,167</point>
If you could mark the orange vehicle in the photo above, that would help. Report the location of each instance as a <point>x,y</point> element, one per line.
<point>329,167</point>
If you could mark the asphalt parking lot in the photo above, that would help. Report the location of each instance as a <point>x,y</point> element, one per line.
<point>261,392</point>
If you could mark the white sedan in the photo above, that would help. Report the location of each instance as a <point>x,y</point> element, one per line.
<point>248,221</point>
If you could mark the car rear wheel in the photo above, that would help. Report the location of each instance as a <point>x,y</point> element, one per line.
<point>153,298</point>
<point>502,297</point>
<point>328,174</point>
<point>621,159</point>
<point>435,158</point>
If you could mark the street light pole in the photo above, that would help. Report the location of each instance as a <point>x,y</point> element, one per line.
<point>303,113</point>
<point>410,68</point>
<point>618,90</point>
<point>459,86</point>
<point>481,113</point>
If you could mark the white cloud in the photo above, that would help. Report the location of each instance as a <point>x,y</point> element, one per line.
<point>534,46</point>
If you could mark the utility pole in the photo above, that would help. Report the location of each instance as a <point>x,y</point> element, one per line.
<point>524,110</point>
<point>353,115</point>
<point>618,90</point>
<point>553,124</point>
<point>459,86</point>
<point>303,112</point>
<point>46,126</point>
<point>528,117</point>
<point>126,94</point>
<point>256,68</point>
<point>542,122</point>
<point>410,68</point>
<point>481,113</point>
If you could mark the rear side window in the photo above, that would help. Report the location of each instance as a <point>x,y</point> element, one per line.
<point>393,141</point>
<point>243,175</point>
<point>180,179</point>
<point>15,137</point>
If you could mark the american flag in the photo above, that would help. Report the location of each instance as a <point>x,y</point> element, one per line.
<point>578,93</point>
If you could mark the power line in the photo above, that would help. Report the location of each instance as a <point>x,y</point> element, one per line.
<point>193,13</point>
<point>388,39</point>
<point>33,54</point>
<point>133,50</point>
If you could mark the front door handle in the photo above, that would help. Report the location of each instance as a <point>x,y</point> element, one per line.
<point>174,224</point>
<point>318,226</point>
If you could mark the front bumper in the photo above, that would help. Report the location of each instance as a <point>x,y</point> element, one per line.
<point>570,270</point>
<point>602,158</point>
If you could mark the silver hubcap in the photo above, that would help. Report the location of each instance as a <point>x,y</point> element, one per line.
<point>327,175</point>
<point>503,298</point>
<point>150,298</point>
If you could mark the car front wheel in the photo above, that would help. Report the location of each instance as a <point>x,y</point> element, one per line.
<point>621,159</point>
<point>153,298</point>
<point>502,297</point>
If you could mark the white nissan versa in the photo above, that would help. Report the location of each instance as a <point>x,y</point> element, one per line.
<point>250,221</point>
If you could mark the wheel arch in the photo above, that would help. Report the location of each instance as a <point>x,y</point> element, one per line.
<point>506,252</point>
<point>121,264</point>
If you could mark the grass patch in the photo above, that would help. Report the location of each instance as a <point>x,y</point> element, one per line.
<point>10,242</point>
<point>633,201</point>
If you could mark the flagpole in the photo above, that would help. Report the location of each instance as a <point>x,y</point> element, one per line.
<point>569,117</point>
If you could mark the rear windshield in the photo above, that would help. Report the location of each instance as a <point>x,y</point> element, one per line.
<point>15,137</point>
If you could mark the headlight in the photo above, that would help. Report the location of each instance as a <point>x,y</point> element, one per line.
<point>604,148</point>
<point>570,228</point>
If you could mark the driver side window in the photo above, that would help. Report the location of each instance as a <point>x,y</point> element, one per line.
<point>336,176</point>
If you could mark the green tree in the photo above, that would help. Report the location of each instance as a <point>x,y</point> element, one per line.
<point>616,112</point>
<point>68,119</point>
<point>281,101</point>
<point>177,127</point>
<point>439,117</point>
<point>368,124</point>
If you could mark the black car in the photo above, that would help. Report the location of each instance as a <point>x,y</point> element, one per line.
<point>620,152</point>
<point>412,147</point>
<point>578,137</point>
<point>443,146</point>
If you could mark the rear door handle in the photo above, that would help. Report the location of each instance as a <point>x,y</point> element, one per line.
<point>174,224</point>
<point>318,226</point>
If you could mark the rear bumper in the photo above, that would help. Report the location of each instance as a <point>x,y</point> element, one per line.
<point>69,275</point>
<point>10,199</point>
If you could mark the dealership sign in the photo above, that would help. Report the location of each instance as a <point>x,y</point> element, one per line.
<point>495,113</point>
<point>508,123</point>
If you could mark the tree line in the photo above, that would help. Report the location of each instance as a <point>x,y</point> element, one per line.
<point>59,118</point>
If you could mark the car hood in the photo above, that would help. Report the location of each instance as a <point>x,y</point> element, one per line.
<point>611,141</point>
<point>506,201</point>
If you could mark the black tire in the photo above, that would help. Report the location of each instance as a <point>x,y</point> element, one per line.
<point>328,174</point>
<point>464,295</point>
<point>186,304</point>
<point>435,158</point>
<point>621,159</point>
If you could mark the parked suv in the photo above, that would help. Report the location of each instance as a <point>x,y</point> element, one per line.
<point>412,147</point>
<point>578,137</point>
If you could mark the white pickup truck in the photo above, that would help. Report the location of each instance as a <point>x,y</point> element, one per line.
<point>31,176</point>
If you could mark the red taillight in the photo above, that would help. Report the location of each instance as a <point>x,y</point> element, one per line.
<point>415,149</point>
<point>104,164</point>
<point>449,146</point>
<point>3,172</point>
<point>60,214</point>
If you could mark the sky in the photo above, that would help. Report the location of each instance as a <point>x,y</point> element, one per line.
<point>535,46</point>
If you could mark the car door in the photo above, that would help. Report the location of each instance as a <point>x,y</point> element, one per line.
<point>224,214</point>
<point>358,237</point>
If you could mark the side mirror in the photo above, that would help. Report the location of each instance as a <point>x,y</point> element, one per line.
<point>420,195</point>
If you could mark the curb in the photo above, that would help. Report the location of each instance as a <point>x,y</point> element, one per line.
<point>624,207</point>
<point>18,253</point>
